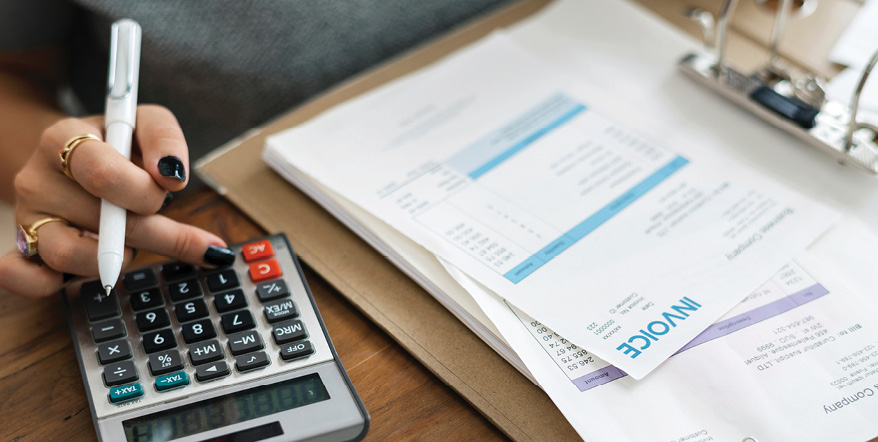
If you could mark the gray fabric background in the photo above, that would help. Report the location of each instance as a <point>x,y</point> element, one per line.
<point>225,66</point>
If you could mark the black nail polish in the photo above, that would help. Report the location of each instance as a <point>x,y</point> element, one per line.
<point>168,198</point>
<point>134,253</point>
<point>67,277</point>
<point>219,256</point>
<point>171,166</point>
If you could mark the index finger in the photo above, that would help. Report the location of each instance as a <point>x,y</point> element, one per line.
<point>162,146</point>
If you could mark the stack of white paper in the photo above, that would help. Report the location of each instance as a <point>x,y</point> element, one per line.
<point>621,221</point>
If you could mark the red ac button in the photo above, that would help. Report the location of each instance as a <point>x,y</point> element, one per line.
<point>257,250</point>
<point>261,271</point>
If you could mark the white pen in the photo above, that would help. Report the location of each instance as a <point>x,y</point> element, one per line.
<point>119,117</point>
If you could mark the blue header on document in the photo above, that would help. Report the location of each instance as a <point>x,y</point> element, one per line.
<point>594,221</point>
<point>503,143</point>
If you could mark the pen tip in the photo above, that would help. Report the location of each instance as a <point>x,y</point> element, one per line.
<point>109,289</point>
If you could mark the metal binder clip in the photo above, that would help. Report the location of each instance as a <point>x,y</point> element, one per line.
<point>792,100</point>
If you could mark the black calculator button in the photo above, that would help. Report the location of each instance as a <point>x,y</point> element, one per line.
<point>185,290</point>
<point>113,351</point>
<point>205,373</point>
<point>165,362</point>
<point>198,331</point>
<point>227,302</point>
<point>146,299</point>
<point>151,320</point>
<point>190,310</point>
<point>224,280</point>
<point>97,304</point>
<point>251,361</point>
<point>120,373</point>
<point>272,290</point>
<point>245,342</point>
<point>296,350</point>
<point>205,352</point>
<point>289,331</point>
<point>175,271</point>
<point>158,341</point>
<point>139,280</point>
<point>237,321</point>
<point>111,329</point>
<point>282,310</point>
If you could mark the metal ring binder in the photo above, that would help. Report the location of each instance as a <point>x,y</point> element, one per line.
<point>785,97</point>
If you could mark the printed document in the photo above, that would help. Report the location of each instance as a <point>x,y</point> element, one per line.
<point>796,360</point>
<point>498,164</point>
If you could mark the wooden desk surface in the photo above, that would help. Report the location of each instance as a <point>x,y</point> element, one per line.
<point>42,397</point>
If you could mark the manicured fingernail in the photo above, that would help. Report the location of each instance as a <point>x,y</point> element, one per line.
<point>171,166</point>
<point>168,198</point>
<point>134,253</point>
<point>219,256</point>
<point>66,277</point>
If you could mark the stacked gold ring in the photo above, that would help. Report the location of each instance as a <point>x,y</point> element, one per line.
<point>67,151</point>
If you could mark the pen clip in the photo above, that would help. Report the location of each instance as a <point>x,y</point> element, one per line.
<point>124,53</point>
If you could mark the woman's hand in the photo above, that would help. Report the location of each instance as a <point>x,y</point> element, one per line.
<point>159,165</point>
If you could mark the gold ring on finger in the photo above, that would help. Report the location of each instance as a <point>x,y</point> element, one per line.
<point>67,151</point>
<point>27,238</point>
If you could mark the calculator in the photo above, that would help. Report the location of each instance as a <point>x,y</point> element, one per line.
<point>240,353</point>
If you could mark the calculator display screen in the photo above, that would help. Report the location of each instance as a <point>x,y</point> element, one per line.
<point>226,410</point>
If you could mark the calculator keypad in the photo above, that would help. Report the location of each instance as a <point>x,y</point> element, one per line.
<point>229,301</point>
<point>111,329</point>
<point>194,323</point>
<point>120,373</point>
<point>159,340</point>
<point>151,320</point>
<point>98,305</point>
<point>296,350</point>
<point>213,371</point>
<point>113,351</point>
<point>251,361</point>
<point>257,250</point>
<point>191,310</point>
<point>272,290</point>
<point>139,280</point>
<point>280,310</point>
<point>289,331</point>
<point>198,331</point>
<point>224,280</point>
<point>237,321</point>
<point>183,290</point>
<point>265,270</point>
<point>146,299</point>
<point>205,352</point>
<point>175,271</point>
<point>165,362</point>
<point>245,342</point>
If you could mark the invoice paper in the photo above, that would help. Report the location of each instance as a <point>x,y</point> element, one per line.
<point>796,360</point>
<point>498,164</point>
